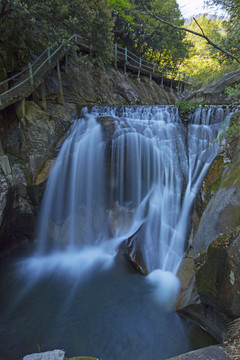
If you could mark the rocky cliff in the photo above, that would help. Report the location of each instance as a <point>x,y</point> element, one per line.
<point>212,292</point>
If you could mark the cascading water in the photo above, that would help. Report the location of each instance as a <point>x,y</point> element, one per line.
<point>136,173</point>
<point>157,164</point>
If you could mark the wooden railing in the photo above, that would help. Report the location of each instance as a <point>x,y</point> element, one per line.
<point>22,85</point>
<point>143,66</point>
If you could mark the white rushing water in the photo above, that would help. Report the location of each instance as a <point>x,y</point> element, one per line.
<point>142,181</point>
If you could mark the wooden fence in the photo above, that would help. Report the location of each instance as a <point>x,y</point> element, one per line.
<point>23,84</point>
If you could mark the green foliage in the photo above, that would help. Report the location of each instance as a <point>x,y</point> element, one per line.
<point>121,9</point>
<point>27,25</point>
<point>231,41</point>
<point>233,90</point>
<point>187,106</point>
<point>205,63</point>
<point>147,37</point>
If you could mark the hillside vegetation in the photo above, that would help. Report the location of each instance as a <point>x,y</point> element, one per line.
<point>27,27</point>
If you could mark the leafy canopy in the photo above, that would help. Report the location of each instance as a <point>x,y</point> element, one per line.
<point>206,63</point>
<point>27,27</point>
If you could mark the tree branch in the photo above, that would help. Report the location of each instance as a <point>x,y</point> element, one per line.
<point>226,52</point>
<point>199,26</point>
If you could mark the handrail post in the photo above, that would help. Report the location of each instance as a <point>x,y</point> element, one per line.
<point>60,83</point>
<point>184,82</point>
<point>49,55</point>
<point>179,79</point>
<point>151,74</point>
<point>125,62</point>
<point>139,69</point>
<point>75,37</point>
<point>0,101</point>
<point>30,73</point>
<point>116,53</point>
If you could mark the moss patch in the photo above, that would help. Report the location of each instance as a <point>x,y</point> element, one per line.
<point>234,178</point>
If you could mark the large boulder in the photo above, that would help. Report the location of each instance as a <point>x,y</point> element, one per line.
<point>215,93</point>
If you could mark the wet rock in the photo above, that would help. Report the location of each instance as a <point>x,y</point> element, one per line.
<point>215,238</point>
<point>186,275</point>
<point>224,212</point>
<point>219,198</point>
<point>131,251</point>
<point>108,126</point>
<point>208,353</point>
<point>218,279</point>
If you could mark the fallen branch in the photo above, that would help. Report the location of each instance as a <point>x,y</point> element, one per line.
<point>226,52</point>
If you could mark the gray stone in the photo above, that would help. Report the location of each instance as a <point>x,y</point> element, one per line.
<point>4,162</point>
<point>18,175</point>
<point>215,93</point>
<point>224,212</point>
<point>1,149</point>
<point>48,355</point>
<point>208,353</point>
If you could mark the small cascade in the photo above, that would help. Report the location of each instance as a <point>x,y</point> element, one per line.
<point>145,179</point>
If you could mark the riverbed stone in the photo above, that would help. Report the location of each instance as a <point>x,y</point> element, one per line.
<point>48,355</point>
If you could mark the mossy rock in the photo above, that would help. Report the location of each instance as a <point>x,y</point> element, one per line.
<point>234,177</point>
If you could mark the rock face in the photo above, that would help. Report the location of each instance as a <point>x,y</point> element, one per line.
<point>215,93</point>
<point>27,142</point>
<point>89,85</point>
<point>215,238</point>
<point>218,279</point>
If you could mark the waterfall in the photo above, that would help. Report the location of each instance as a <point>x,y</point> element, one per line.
<point>141,179</point>
<point>124,175</point>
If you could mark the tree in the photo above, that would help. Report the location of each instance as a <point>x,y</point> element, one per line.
<point>206,63</point>
<point>179,28</point>
<point>163,45</point>
<point>232,40</point>
<point>145,37</point>
<point>28,26</point>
